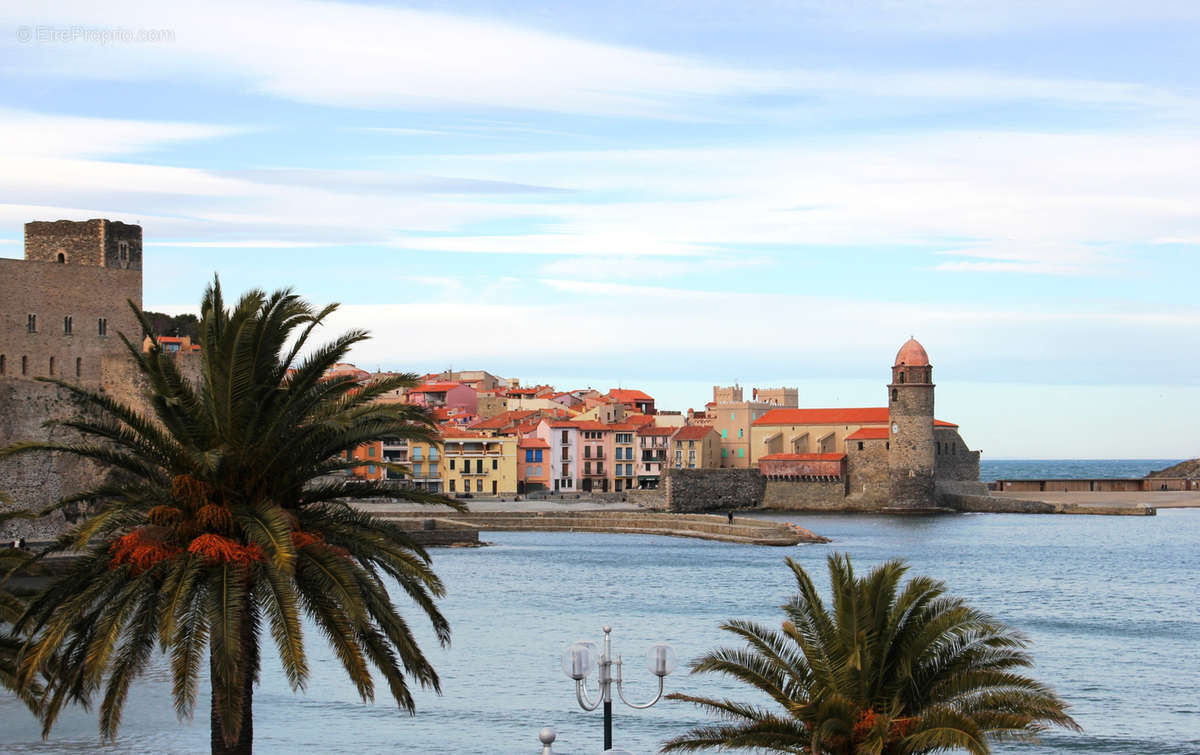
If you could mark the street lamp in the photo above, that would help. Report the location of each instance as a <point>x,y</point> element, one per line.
<point>577,662</point>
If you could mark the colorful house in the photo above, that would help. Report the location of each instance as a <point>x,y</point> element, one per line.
<point>653,444</point>
<point>533,465</point>
<point>563,439</point>
<point>477,464</point>
<point>453,395</point>
<point>695,447</point>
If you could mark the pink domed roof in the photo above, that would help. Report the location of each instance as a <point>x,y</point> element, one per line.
<point>912,354</point>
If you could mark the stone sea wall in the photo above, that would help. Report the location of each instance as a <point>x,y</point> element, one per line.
<point>712,489</point>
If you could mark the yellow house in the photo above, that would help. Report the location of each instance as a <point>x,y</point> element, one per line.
<point>476,464</point>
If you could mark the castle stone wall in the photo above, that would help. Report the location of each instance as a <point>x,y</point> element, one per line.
<point>35,481</point>
<point>867,473</point>
<point>953,460</point>
<point>713,489</point>
<point>92,243</point>
<point>51,292</point>
<point>805,495</point>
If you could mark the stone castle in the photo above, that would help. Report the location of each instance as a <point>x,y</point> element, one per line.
<point>61,310</point>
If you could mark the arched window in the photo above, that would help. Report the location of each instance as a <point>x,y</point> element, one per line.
<point>901,380</point>
<point>62,258</point>
<point>51,366</point>
<point>895,394</point>
<point>24,365</point>
<point>78,366</point>
<point>68,324</point>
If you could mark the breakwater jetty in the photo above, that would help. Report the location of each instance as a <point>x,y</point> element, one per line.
<point>625,522</point>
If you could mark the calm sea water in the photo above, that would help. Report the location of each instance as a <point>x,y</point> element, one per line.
<point>1037,469</point>
<point>1111,605</point>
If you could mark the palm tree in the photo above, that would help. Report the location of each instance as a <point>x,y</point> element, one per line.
<point>888,671</point>
<point>227,517</point>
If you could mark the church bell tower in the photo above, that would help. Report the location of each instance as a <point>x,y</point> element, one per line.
<point>911,460</point>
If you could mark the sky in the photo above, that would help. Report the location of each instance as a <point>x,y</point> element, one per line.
<point>663,195</point>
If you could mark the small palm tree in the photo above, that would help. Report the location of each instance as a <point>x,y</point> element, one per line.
<point>888,671</point>
<point>226,518</point>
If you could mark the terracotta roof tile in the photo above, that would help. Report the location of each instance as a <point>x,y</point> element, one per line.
<point>628,396</point>
<point>693,432</point>
<point>802,457</point>
<point>869,433</point>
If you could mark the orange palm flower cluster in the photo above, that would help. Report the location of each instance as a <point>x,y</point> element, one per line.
<point>218,549</point>
<point>301,538</point>
<point>141,551</point>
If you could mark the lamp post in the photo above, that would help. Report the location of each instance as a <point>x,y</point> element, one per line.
<point>577,662</point>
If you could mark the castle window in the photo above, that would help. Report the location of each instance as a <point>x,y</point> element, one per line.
<point>3,366</point>
<point>31,323</point>
<point>24,365</point>
<point>52,366</point>
<point>67,324</point>
<point>887,446</point>
<point>901,379</point>
<point>102,326</point>
<point>62,258</point>
<point>78,366</point>
<point>895,394</point>
<point>123,250</point>
<point>860,445</point>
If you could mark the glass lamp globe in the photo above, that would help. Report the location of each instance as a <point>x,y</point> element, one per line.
<point>578,659</point>
<point>660,659</point>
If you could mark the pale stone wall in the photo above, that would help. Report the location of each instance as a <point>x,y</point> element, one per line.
<point>867,473</point>
<point>814,495</point>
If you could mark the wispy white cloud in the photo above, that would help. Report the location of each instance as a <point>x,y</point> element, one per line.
<point>399,58</point>
<point>31,134</point>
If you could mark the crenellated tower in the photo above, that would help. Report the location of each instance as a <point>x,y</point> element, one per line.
<point>911,450</point>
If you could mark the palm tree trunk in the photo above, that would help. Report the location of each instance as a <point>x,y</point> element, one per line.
<point>245,741</point>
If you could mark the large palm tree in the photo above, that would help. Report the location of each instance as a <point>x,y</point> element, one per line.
<point>226,517</point>
<point>888,670</point>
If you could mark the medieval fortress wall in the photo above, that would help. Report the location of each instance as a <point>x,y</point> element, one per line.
<point>61,310</point>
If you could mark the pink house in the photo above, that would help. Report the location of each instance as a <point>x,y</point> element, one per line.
<point>450,395</point>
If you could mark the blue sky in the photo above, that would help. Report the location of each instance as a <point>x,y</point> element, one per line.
<point>667,195</point>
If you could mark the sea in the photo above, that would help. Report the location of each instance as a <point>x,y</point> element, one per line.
<point>1110,605</point>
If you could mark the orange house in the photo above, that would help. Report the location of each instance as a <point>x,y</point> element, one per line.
<point>533,465</point>
<point>371,454</point>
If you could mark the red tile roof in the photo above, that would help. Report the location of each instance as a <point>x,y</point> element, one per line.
<point>869,433</point>
<point>435,387</point>
<point>622,427</point>
<point>693,432</point>
<point>651,430</point>
<point>628,396</point>
<point>874,415</point>
<point>587,424</point>
<point>802,457</point>
<point>532,443</point>
<point>457,432</point>
<point>503,419</point>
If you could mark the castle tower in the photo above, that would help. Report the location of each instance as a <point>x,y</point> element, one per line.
<point>911,458</point>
